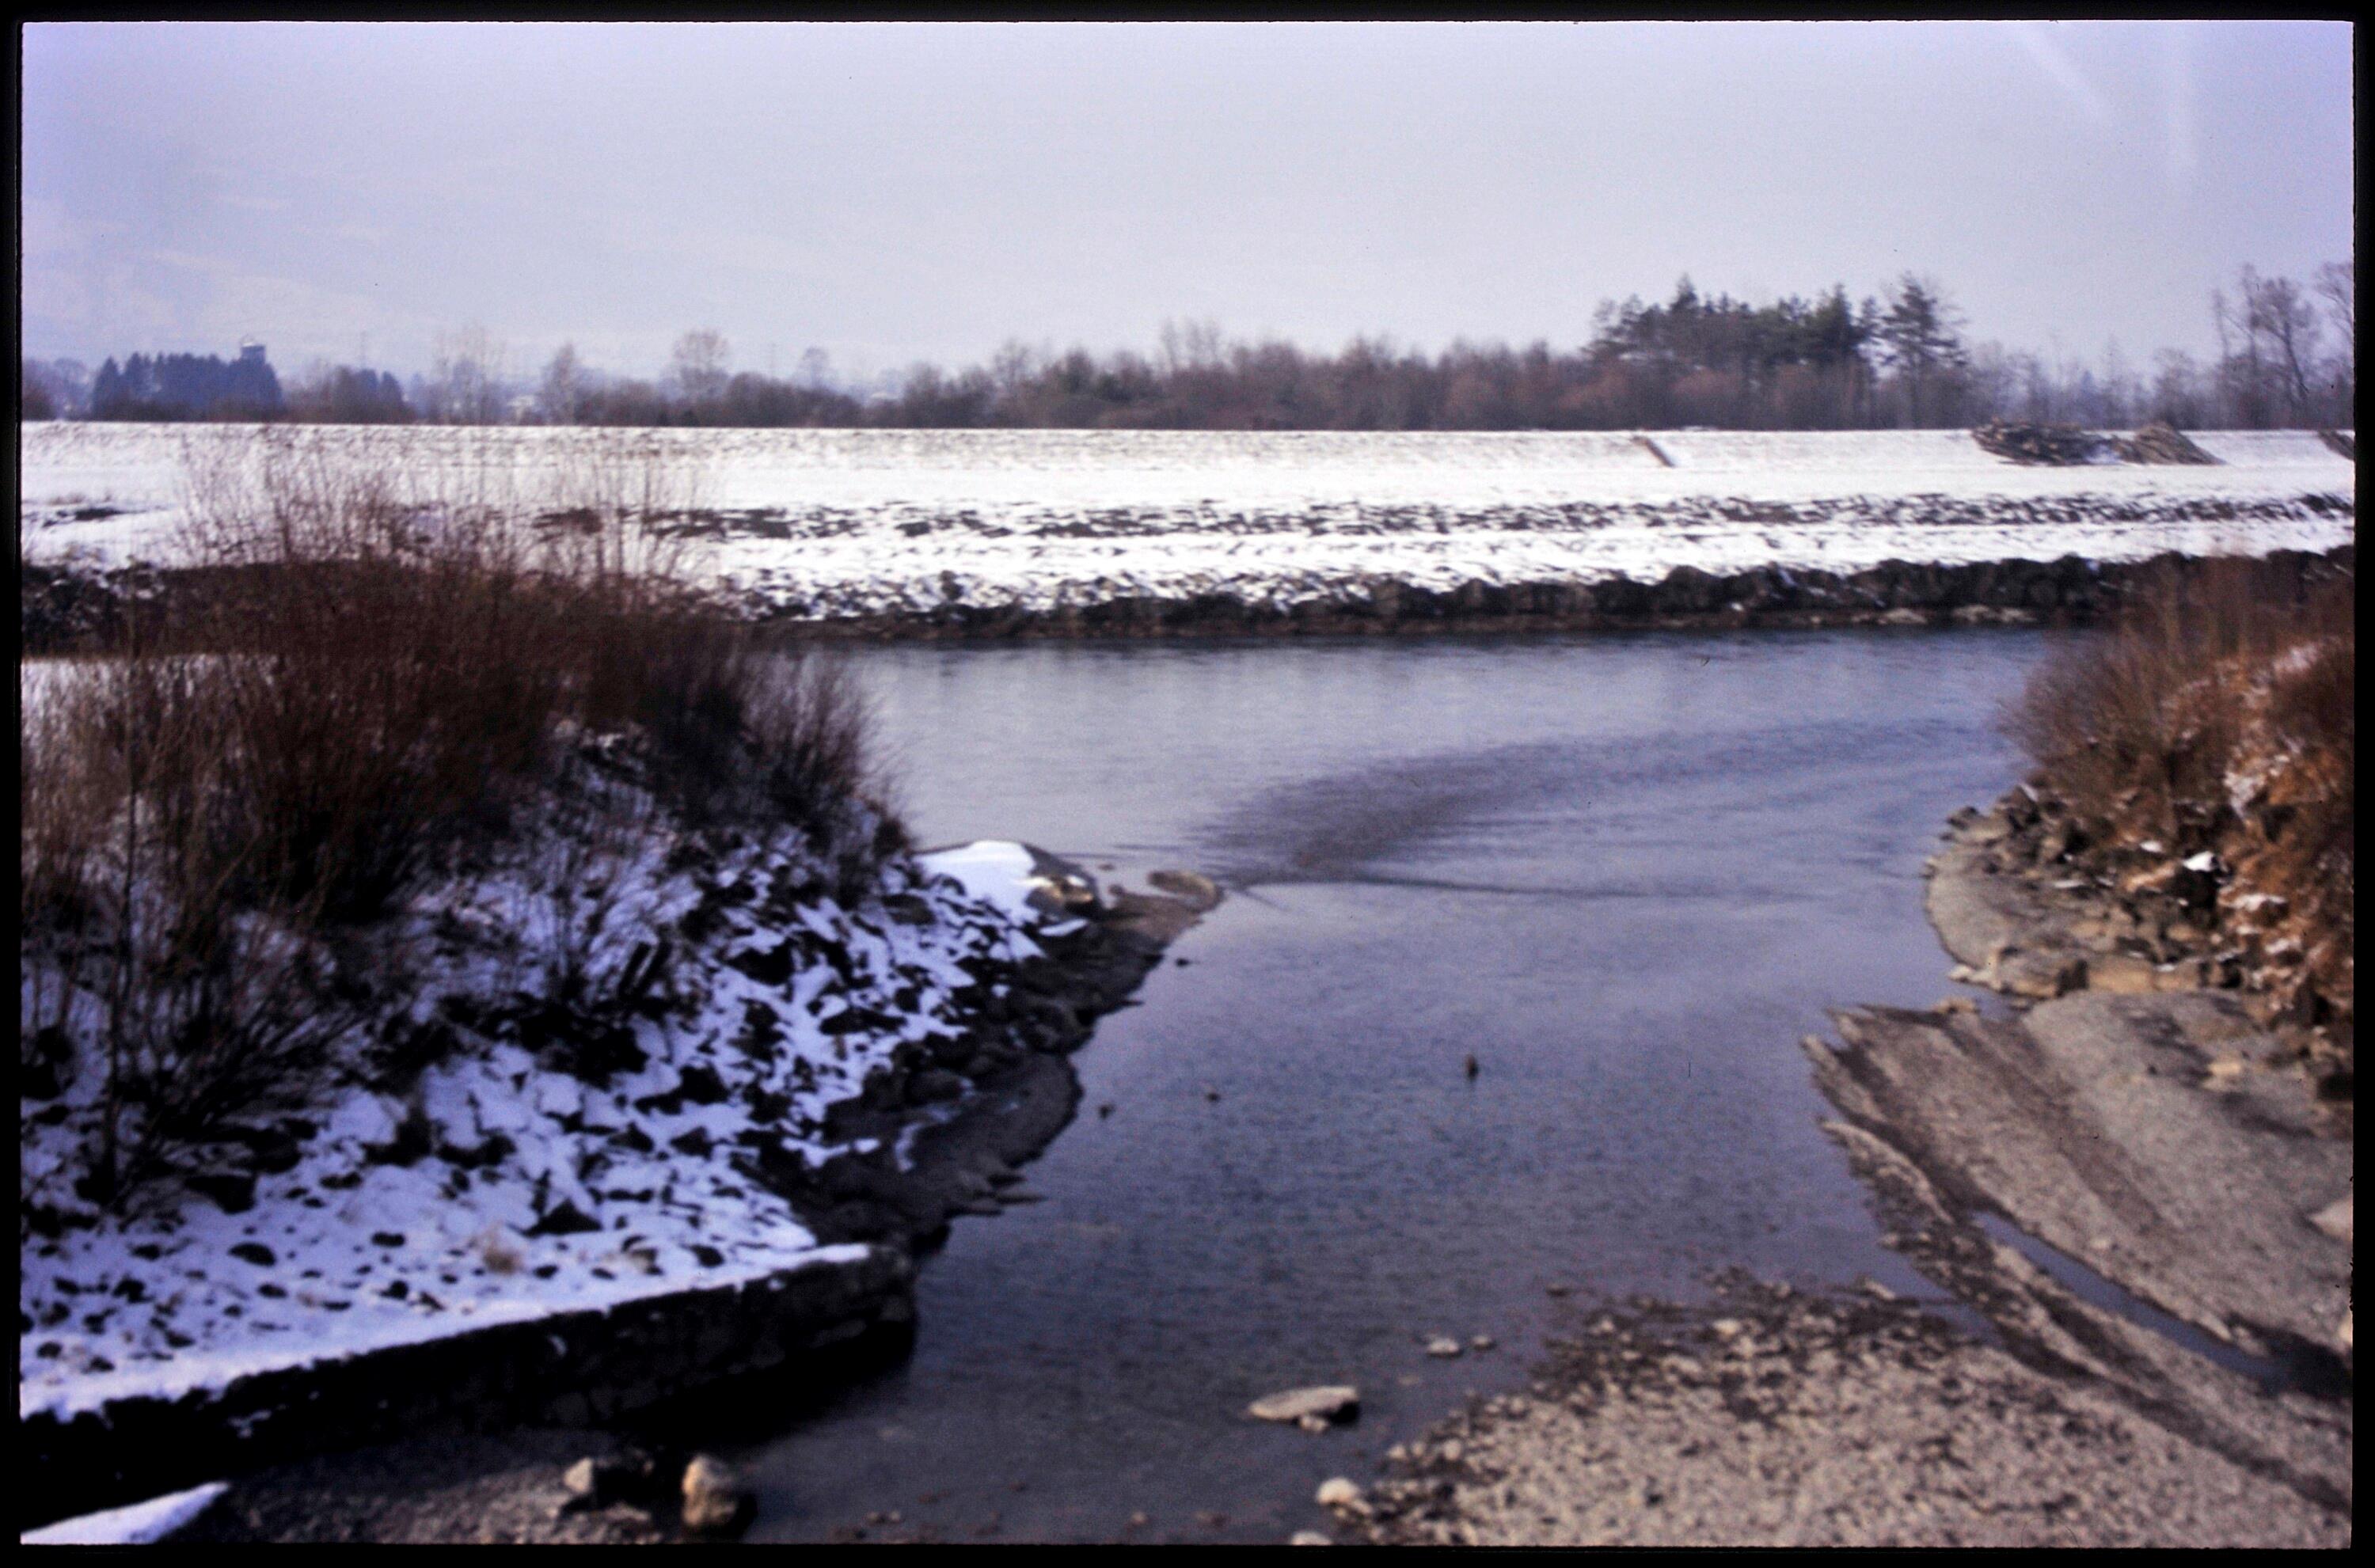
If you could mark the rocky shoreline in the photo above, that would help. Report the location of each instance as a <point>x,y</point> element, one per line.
<point>492,1418</point>
<point>2131,1174</point>
<point>67,609</point>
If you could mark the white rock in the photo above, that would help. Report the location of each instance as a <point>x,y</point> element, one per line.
<point>715,1500</point>
<point>2334,1218</point>
<point>1337,1492</point>
<point>1329,1402</point>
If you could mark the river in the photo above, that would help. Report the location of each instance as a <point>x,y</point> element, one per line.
<point>1625,873</point>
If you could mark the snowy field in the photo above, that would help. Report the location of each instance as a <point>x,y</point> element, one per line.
<point>848,523</point>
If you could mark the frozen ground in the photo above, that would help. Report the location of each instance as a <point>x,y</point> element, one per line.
<point>538,1163</point>
<point>853,522</point>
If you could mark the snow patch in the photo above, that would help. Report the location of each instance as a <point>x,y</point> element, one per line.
<point>534,1185</point>
<point>137,1524</point>
<point>995,871</point>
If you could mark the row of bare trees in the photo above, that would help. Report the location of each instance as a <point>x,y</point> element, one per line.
<point>1896,359</point>
<point>2287,357</point>
<point>2274,366</point>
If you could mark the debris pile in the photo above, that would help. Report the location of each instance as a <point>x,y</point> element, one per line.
<point>2056,446</point>
<point>2161,442</point>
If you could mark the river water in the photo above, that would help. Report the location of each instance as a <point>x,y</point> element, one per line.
<point>1625,873</point>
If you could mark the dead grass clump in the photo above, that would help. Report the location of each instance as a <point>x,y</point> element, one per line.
<point>2218,712</point>
<point>2303,838</point>
<point>2139,725</point>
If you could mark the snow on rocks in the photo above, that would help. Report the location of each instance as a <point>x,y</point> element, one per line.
<point>512,1156</point>
<point>998,874</point>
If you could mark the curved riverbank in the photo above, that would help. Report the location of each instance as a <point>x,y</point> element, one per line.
<point>2094,1173</point>
<point>934,1131</point>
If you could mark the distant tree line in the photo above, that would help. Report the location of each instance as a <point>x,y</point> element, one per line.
<point>186,386</point>
<point>2286,357</point>
<point>343,395</point>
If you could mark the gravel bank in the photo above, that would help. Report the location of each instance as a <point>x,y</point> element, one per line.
<point>1787,1420</point>
<point>2146,1201</point>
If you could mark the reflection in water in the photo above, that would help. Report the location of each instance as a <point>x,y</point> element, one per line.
<point>1624,874</point>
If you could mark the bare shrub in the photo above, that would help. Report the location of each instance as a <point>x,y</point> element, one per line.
<point>381,677</point>
<point>2309,819</point>
<point>2144,718</point>
<point>2219,713</point>
<point>202,1008</point>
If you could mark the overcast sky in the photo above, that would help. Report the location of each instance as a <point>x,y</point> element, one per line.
<point>899,192</point>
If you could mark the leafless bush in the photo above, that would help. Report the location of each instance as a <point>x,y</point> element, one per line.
<point>2219,713</point>
<point>2145,718</point>
<point>383,676</point>
<point>2313,703</point>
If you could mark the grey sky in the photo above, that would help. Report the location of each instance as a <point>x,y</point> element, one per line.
<point>898,191</point>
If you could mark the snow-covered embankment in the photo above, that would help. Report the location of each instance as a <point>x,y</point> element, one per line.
<point>502,1206</point>
<point>1075,531</point>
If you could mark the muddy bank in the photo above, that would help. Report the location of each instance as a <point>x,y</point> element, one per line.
<point>67,609</point>
<point>944,1144</point>
<point>2139,1190</point>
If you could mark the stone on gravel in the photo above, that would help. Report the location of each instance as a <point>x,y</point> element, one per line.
<point>1444,1345</point>
<point>1199,891</point>
<point>1330,1402</point>
<point>716,1501</point>
<point>2122,974</point>
<point>592,1482</point>
<point>2334,1218</point>
<point>1337,1492</point>
<point>2042,975</point>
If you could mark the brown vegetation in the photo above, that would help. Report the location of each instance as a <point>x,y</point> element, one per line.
<point>377,684</point>
<point>2217,715</point>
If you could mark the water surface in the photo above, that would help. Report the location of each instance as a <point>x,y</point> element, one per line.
<point>1625,874</point>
